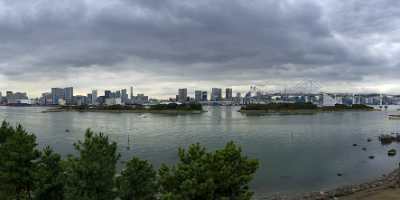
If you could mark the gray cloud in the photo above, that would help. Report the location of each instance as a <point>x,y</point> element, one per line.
<point>217,41</point>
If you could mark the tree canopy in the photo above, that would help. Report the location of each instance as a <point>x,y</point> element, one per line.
<point>27,173</point>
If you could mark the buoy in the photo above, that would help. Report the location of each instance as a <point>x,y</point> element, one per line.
<point>371,157</point>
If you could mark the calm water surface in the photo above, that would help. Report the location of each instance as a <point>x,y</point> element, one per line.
<point>297,152</point>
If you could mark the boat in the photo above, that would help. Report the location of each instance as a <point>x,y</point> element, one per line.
<point>394,116</point>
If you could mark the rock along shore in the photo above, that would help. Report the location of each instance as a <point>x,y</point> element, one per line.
<point>389,181</point>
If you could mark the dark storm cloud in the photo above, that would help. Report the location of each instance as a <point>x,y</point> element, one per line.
<point>202,40</point>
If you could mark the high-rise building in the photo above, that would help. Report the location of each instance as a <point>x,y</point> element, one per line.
<point>141,99</point>
<point>18,98</point>
<point>69,95</point>
<point>182,95</point>
<point>228,94</point>
<point>56,95</point>
<point>94,97</point>
<point>124,96</point>
<point>81,100</point>
<point>118,94</point>
<point>197,95</point>
<point>216,94</point>
<point>131,92</point>
<point>46,99</point>
<point>107,94</point>
<point>204,96</point>
<point>89,99</point>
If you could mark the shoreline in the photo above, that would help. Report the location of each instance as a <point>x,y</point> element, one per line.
<point>300,112</point>
<point>382,184</point>
<point>141,111</point>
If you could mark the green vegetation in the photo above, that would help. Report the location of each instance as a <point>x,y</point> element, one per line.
<point>287,107</point>
<point>342,107</point>
<point>27,173</point>
<point>279,107</point>
<point>223,174</point>
<point>137,172</point>
<point>174,106</point>
<point>90,176</point>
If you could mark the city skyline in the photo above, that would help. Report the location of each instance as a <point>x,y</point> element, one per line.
<point>159,46</point>
<point>191,91</point>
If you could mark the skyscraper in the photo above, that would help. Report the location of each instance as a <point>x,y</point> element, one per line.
<point>57,94</point>
<point>107,94</point>
<point>131,93</point>
<point>216,94</point>
<point>124,96</point>
<point>182,95</point>
<point>94,97</point>
<point>69,95</point>
<point>118,94</point>
<point>204,96</point>
<point>89,99</point>
<point>228,94</point>
<point>197,95</point>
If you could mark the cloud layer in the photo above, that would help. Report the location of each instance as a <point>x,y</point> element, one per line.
<point>160,45</point>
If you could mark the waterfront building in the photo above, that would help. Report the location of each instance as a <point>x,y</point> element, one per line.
<point>131,93</point>
<point>113,101</point>
<point>57,94</point>
<point>107,94</point>
<point>17,98</point>
<point>328,100</point>
<point>89,99</point>
<point>228,94</point>
<point>68,95</point>
<point>182,95</point>
<point>80,100</point>
<point>140,99</point>
<point>100,100</point>
<point>46,99</point>
<point>124,96</point>
<point>204,96</point>
<point>197,96</point>
<point>216,94</point>
<point>117,94</point>
<point>94,97</point>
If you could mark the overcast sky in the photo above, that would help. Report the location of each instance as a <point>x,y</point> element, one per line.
<point>159,46</point>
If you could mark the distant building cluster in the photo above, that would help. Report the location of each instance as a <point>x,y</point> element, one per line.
<point>258,97</point>
<point>215,96</point>
<point>65,96</point>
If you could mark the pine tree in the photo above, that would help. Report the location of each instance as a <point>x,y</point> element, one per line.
<point>91,175</point>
